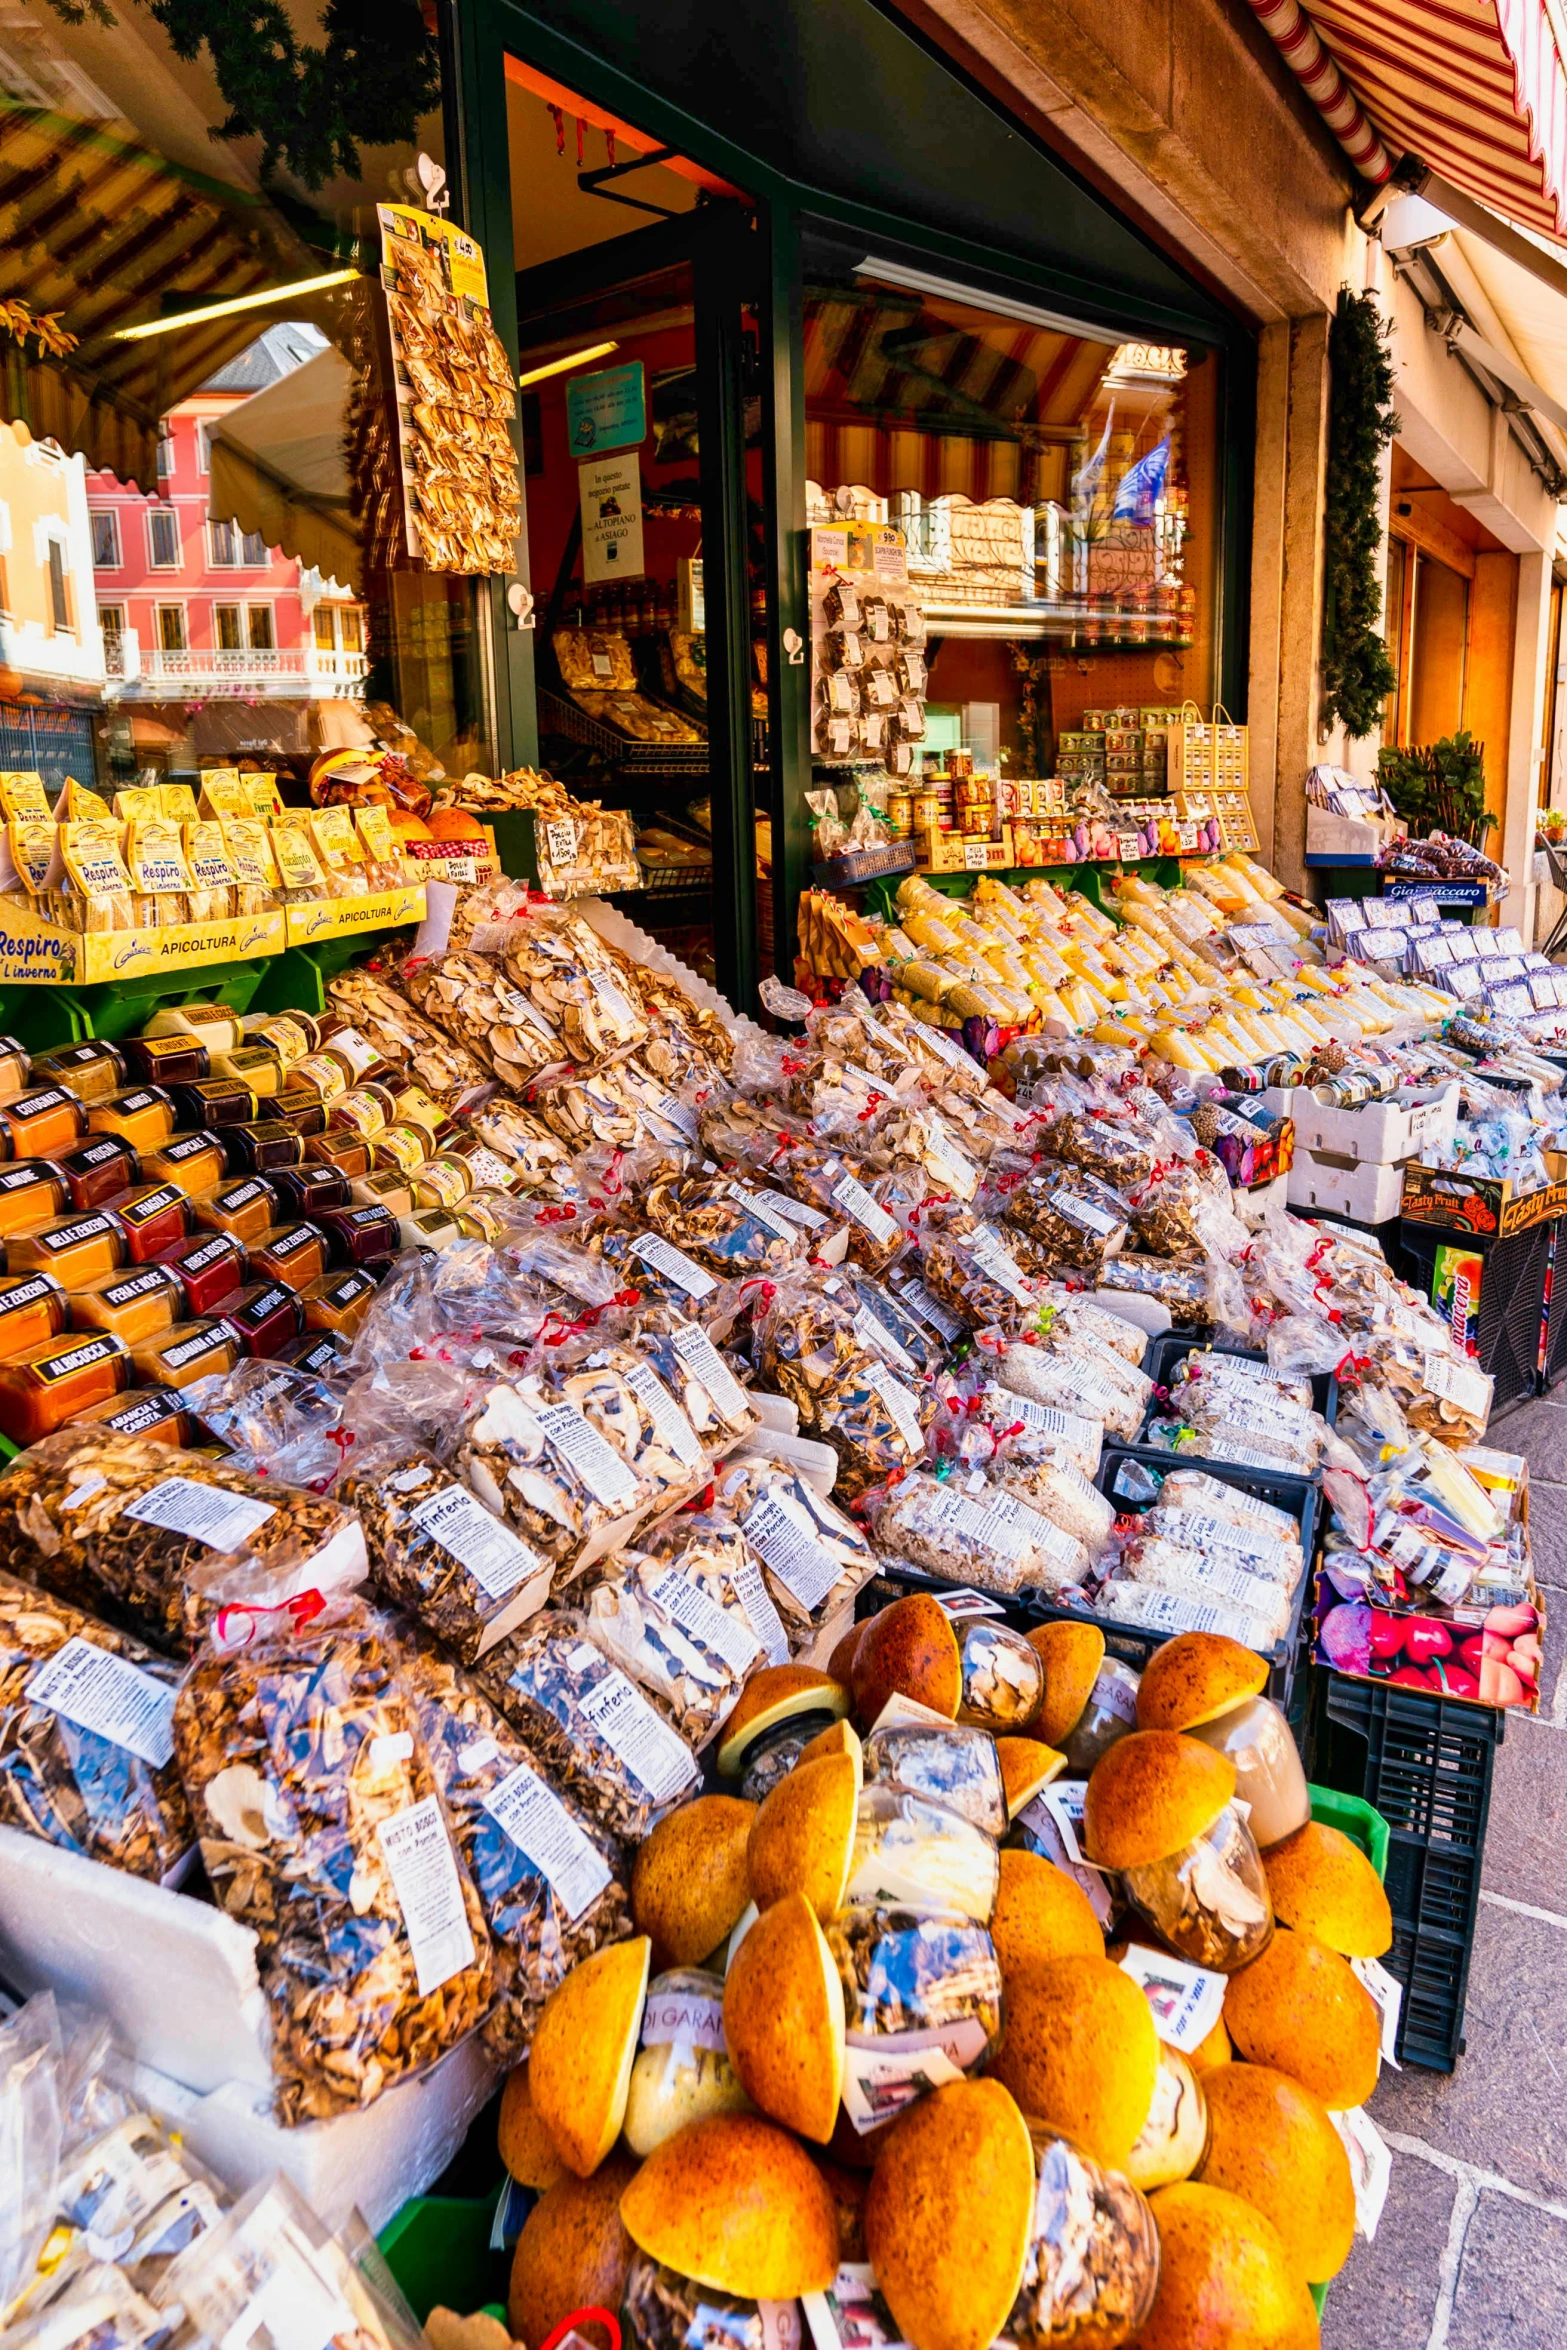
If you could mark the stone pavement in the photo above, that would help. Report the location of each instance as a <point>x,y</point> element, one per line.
<point>1472,2250</point>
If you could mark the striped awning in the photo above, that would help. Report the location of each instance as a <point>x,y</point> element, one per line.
<point>1476,89</point>
<point>105,231</point>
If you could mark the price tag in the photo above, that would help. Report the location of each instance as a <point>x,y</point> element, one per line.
<point>1388,1992</point>
<point>560,841</point>
<point>1186,2000</point>
<point>1370,2165</point>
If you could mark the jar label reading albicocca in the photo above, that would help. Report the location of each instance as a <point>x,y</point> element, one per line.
<point>223,1521</point>
<point>674,1264</point>
<point>598,1464</point>
<point>781,1534</point>
<point>631,1729</point>
<point>459,1523</point>
<point>423,1869</point>
<point>539,1824</point>
<point>723,1635</point>
<point>110,1697</point>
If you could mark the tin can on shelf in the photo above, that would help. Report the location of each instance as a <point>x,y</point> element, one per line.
<point>900,811</point>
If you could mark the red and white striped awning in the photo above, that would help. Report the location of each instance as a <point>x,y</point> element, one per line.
<point>1477,89</point>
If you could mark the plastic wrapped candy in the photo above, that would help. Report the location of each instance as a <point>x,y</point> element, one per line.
<point>552,1885</point>
<point>595,1732</point>
<point>952,1763</point>
<point>682,2071</point>
<point>322,1827</point>
<point>1092,2268</point>
<point>1210,1899</point>
<point>686,1649</point>
<point>922,2002</point>
<point>911,1853</point>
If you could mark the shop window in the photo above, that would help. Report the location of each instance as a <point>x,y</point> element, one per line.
<point>171,628</point>
<point>163,539</point>
<point>106,541</point>
<point>165,450</point>
<point>262,639</point>
<point>226,628</point>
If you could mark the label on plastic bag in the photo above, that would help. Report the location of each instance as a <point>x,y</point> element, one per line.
<point>708,1368</point>
<point>674,1264</point>
<point>995,1259</point>
<point>683,2019</point>
<point>851,2314</point>
<point>1370,2165</point>
<point>764,1618</point>
<point>1463,1384</point>
<point>423,1869</point>
<point>1186,2000</point>
<point>900,1405</point>
<point>1045,1828</point>
<point>496,1558</point>
<point>666,1415</point>
<point>647,1746</point>
<point>718,1631</point>
<point>853,1197</point>
<point>784,1227</point>
<point>110,1697</point>
<point>600,1467</point>
<point>223,1521</point>
<point>877,1339</point>
<point>541,1827</point>
<point>781,1533</point>
<point>1084,1213</point>
<point>1388,1992</point>
<point>883,2077</point>
<point>930,1310</point>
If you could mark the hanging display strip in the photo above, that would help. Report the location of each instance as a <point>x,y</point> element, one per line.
<point>455,399</point>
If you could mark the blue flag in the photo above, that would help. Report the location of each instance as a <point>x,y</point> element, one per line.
<point>1141,486</point>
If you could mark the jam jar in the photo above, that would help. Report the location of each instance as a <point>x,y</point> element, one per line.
<point>294,1254</point>
<point>348,1153</point>
<point>213,1024</point>
<point>301,1190</point>
<point>143,1116</point>
<point>255,1065</point>
<point>385,1190</point>
<point>29,1194</point>
<point>135,1304</point>
<point>194,1161</point>
<point>319,1352</point>
<point>246,1208</point>
<point>42,1122</point>
<point>15,1068</point>
<point>32,1308</point>
<point>51,1382</point>
<point>211,1265</point>
<point>265,1318</point>
<point>339,1301</point>
<point>155,1217</point>
<point>167,1060</point>
<point>91,1071</point>
<point>264,1144</point>
<point>73,1248</point>
<point>95,1170</point>
<point>214,1101</point>
<point>144,1411</point>
<point>359,1236</point>
<point>188,1352</point>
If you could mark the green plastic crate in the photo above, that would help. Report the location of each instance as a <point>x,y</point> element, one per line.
<point>1364,1825</point>
<point>438,2249</point>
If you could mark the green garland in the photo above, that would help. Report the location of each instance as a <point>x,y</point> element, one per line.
<point>377,74</point>
<point>1357,673</point>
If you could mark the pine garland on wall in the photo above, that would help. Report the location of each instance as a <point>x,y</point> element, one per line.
<point>1357,673</point>
<point>310,107</point>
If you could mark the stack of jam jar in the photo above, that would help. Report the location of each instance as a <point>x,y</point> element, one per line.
<point>216,1187</point>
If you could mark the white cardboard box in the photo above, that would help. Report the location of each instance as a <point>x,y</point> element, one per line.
<point>1420,1120</point>
<point>1365,1193</point>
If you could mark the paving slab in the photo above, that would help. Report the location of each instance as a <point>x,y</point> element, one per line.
<point>1547,1529</point>
<point>1512,2280</point>
<point>1526,1840</point>
<point>1539,1431</point>
<point>1385,2296</point>
<point>1505,2107</point>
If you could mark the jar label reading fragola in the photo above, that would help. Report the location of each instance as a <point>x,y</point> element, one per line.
<point>720,1633</point>
<point>867,1212</point>
<point>596,1461</point>
<point>457,1522</point>
<point>684,2019</point>
<point>223,1521</point>
<point>674,1264</point>
<point>782,1535</point>
<point>423,1869</point>
<point>110,1697</point>
<point>708,1368</point>
<point>540,1826</point>
<point>655,1757</point>
<point>764,1618</point>
<point>883,2077</point>
<point>665,1414</point>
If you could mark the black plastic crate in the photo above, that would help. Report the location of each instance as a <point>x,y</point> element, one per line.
<point>1514,1331</point>
<point>1131,1642</point>
<point>1160,1363</point>
<point>1426,1763</point>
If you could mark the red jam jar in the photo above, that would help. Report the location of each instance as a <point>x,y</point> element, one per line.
<point>155,1217</point>
<point>265,1318</point>
<point>359,1236</point>
<point>211,1265</point>
<point>95,1170</point>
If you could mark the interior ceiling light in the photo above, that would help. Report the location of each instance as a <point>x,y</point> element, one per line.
<point>209,310</point>
<point>536,375</point>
